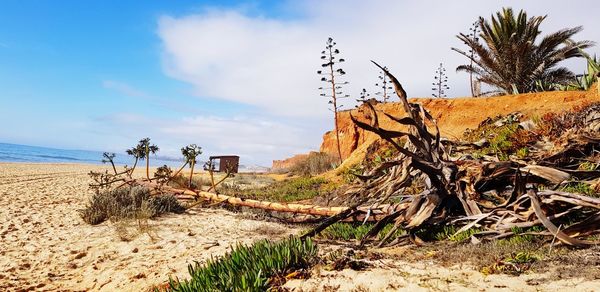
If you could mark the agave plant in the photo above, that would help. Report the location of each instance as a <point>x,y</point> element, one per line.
<point>593,73</point>
<point>332,74</point>
<point>511,58</point>
<point>441,82</point>
<point>584,81</point>
<point>363,97</point>
<point>386,89</point>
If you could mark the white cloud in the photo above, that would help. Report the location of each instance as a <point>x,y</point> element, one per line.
<point>271,63</point>
<point>254,61</point>
<point>256,140</point>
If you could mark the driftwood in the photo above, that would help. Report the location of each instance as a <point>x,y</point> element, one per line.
<point>195,195</point>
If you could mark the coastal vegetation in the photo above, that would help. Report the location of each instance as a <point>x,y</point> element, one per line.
<point>258,267</point>
<point>128,203</point>
<point>386,89</point>
<point>314,164</point>
<point>331,76</point>
<point>513,58</point>
<point>289,190</point>
<point>440,85</point>
<point>509,187</point>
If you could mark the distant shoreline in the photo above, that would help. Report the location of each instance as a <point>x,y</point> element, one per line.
<point>35,154</point>
<point>16,153</point>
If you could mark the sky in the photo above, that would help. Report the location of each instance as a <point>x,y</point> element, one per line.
<point>235,77</point>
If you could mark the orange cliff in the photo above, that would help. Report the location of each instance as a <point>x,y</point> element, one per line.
<point>453,115</point>
<point>288,162</point>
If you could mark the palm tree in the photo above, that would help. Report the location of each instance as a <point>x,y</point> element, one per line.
<point>510,57</point>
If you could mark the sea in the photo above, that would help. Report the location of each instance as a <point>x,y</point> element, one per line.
<point>25,153</point>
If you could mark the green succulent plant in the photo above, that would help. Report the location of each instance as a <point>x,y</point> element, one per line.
<point>249,268</point>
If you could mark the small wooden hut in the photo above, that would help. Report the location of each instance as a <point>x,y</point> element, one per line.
<point>224,163</point>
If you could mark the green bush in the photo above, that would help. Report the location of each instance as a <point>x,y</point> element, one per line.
<point>249,268</point>
<point>290,190</point>
<point>579,188</point>
<point>519,236</point>
<point>123,203</point>
<point>347,231</point>
<point>449,233</point>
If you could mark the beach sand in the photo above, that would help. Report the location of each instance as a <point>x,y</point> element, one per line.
<point>45,245</point>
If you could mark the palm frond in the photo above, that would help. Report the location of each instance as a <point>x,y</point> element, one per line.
<point>511,58</point>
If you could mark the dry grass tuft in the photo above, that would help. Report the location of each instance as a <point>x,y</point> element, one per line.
<point>128,203</point>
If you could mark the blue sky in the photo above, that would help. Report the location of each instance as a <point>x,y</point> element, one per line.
<point>99,75</point>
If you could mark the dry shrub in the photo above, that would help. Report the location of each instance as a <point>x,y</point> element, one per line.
<point>201,181</point>
<point>508,256</point>
<point>128,203</point>
<point>315,163</point>
<point>554,125</point>
<point>129,228</point>
<point>180,181</point>
<point>125,232</point>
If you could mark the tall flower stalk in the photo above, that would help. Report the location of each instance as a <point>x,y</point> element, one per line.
<point>331,75</point>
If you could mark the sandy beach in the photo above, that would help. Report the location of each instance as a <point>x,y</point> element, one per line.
<point>45,246</point>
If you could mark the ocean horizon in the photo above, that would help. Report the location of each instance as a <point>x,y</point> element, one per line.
<point>37,154</point>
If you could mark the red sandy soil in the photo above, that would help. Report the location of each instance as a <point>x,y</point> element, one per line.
<point>454,115</point>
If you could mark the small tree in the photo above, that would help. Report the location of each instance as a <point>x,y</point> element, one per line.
<point>190,153</point>
<point>138,152</point>
<point>109,158</point>
<point>334,89</point>
<point>441,82</point>
<point>148,149</point>
<point>386,88</point>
